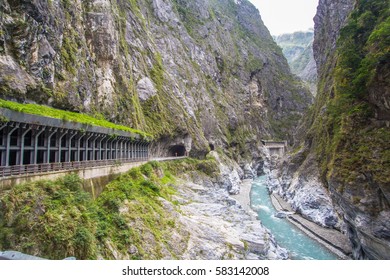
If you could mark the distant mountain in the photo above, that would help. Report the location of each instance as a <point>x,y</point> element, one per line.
<point>298,49</point>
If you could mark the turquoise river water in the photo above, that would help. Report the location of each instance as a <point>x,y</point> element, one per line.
<point>300,246</point>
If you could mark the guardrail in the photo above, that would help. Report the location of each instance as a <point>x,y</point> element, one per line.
<point>18,170</point>
<point>14,255</point>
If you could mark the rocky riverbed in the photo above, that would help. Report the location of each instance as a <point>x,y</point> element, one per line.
<point>221,229</point>
<point>220,226</point>
<point>300,192</point>
<point>303,190</point>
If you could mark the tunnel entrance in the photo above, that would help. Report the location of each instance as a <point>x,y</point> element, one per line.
<point>177,151</point>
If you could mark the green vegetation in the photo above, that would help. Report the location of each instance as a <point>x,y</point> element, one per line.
<point>130,212</point>
<point>254,64</point>
<point>363,45</point>
<point>69,51</point>
<point>157,72</point>
<point>208,166</point>
<point>135,8</point>
<point>188,17</point>
<point>350,143</point>
<point>53,219</point>
<point>65,115</point>
<point>70,42</point>
<point>237,138</point>
<point>159,120</point>
<point>133,218</point>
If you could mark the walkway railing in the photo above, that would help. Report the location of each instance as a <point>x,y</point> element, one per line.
<point>18,170</point>
<point>14,255</point>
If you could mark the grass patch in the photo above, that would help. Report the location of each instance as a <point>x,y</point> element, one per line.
<point>49,219</point>
<point>46,111</point>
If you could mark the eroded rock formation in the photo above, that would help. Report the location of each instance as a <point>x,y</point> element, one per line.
<point>207,69</point>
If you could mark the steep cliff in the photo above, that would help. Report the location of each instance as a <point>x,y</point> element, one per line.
<point>348,138</point>
<point>298,49</point>
<point>207,71</point>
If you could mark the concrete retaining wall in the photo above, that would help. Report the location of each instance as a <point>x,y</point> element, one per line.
<point>95,179</point>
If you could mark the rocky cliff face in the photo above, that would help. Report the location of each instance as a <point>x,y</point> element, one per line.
<point>348,136</point>
<point>298,49</point>
<point>205,70</point>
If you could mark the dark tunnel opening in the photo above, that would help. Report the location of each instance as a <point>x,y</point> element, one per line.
<point>177,151</point>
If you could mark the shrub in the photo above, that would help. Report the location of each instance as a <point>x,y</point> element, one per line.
<point>72,182</point>
<point>147,169</point>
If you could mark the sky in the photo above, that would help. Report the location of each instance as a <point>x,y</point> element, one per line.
<point>287,16</point>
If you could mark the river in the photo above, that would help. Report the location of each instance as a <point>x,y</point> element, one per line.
<point>300,246</point>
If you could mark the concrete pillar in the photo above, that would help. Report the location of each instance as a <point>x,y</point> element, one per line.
<point>3,154</point>
<point>78,144</point>
<point>137,150</point>
<point>101,147</point>
<point>63,134</point>
<point>86,146</point>
<point>121,141</point>
<point>8,143</point>
<point>71,136</point>
<point>42,129</point>
<point>143,150</point>
<point>51,133</point>
<point>115,144</point>
<point>108,148</point>
<point>140,150</point>
<point>105,145</point>
<point>21,155</point>
<point>125,148</point>
<point>93,146</point>
<point>128,145</point>
<point>112,149</point>
<point>147,150</point>
<point>119,150</point>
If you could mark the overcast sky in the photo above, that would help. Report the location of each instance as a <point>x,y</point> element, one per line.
<point>287,16</point>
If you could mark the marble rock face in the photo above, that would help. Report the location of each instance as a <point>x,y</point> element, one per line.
<point>172,68</point>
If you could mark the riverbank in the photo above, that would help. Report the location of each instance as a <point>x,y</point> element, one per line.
<point>244,198</point>
<point>332,239</point>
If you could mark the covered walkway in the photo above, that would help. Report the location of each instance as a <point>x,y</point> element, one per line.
<point>30,144</point>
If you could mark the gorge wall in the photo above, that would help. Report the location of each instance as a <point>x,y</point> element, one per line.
<point>205,70</point>
<point>345,152</point>
<point>198,75</point>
